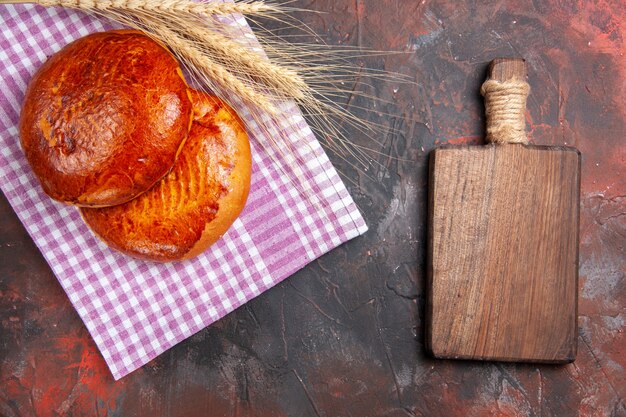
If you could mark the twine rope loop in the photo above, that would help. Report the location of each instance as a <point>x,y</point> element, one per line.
<point>505,104</point>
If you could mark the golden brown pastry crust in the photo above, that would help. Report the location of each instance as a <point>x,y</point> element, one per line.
<point>196,202</point>
<point>104,118</point>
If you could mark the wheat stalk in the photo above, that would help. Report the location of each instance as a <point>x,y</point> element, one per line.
<point>174,22</point>
<point>168,6</point>
<point>282,80</point>
<point>316,76</point>
<point>216,72</point>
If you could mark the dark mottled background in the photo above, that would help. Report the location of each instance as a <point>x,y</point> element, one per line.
<point>344,337</point>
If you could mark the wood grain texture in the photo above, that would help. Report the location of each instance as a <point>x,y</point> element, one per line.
<point>502,69</point>
<point>345,335</point>
<point>504,253</point>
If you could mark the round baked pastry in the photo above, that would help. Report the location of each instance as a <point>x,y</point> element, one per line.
<point>104,118</point>
<point>194,205</point>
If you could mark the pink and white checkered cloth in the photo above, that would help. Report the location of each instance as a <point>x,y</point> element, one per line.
<point>136,310</point>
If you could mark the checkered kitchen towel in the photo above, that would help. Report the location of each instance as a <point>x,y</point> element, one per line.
<point>136,310</point>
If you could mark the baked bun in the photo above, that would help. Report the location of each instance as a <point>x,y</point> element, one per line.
<point>196,202</point>
<point>104,118</point>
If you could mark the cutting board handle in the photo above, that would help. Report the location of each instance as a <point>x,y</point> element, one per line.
<point>505,92</point>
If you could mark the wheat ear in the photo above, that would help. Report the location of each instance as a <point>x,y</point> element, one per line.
<point>211,69</point>
<point>167,6</point>
<point>317,76</point>
<point>282,81</point>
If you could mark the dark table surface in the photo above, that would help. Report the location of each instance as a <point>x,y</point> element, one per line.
<point>345,336</point>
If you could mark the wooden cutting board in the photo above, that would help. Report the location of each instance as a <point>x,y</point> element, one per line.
<point>503,242</point>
